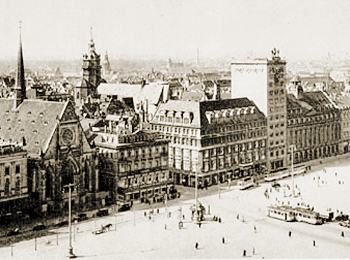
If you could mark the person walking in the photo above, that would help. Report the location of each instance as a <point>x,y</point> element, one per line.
<point>253,251</point>
<point>290,233</point>
<point>314,243</point>
<point>223,240</point>
<point>196,246</point>
<point>342,234</point>
<point>244,253</point>
<point>254,229</point>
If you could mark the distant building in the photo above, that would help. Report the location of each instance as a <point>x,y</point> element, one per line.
<point>14,194</point>
<point>217,140</point>
<point>264,81</point>
<point>106,66</point>
<point>146,97</point>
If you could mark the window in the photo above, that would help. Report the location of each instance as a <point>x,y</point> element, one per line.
<point>7,170</point>
<point>18,168</point>
<point>7,186</point>
<point>18,185</point>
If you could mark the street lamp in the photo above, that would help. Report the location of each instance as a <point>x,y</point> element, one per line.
<point>70,248</point>
<point>292,148</point>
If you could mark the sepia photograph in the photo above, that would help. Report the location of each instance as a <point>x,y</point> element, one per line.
<point>174,129</point>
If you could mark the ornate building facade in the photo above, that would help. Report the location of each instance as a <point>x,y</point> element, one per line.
<point>137,166</point>
<point>314,125</point>
<point>13,180</point>
<point>216,140</point>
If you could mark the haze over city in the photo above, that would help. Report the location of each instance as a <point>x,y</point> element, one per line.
<point>161,29</point>
<point>174,129</point>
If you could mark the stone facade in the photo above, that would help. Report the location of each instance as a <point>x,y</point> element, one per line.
<point>13,179</point>
<point>217,140</point>
<point>314,125</point>
<point>136,168</point>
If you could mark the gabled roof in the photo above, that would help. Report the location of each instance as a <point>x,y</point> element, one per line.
<point>154,93</point>
<point>35,120</point>
<point>198,110</point>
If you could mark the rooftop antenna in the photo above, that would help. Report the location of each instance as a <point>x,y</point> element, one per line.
<point>20,29</point>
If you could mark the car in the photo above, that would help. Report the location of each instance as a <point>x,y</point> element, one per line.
<point>62,223</point>
<point>344,224</point>
<point>102,212</point>
<point>276,185</point>
<point>80,217</point>
<point>39,227</point>
<point>13,232</point>
<point>124,207</point>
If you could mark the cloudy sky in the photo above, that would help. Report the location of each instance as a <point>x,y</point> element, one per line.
<point>176,28</point>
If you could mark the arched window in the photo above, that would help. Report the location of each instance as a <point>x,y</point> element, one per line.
<point>7,186</point>
<point>86,176</point>
<point>67,173</point>
<point>49,183</point>
<point>18,185</point>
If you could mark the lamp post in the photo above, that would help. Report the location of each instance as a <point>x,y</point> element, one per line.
<point>292,147</point>
<point>70,247</point>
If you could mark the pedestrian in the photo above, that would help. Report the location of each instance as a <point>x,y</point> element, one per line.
<point>314,243</point>
<point>290,233</point>
<point>244,252</point>
<point>199,224</point>
<point>157,210</point>
<point>253,251</point>
<point>196,245</point>
<point>238,216</point>
<point>219,220</point>
<point>223,240</point>
<point>183,216</point>
<point>254,229</point>
<point>342,233</point>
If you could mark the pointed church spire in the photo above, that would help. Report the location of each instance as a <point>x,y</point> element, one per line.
<point>91,43</point>
<point>20,87</point>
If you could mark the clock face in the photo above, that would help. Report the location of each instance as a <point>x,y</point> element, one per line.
<point>67,136</point>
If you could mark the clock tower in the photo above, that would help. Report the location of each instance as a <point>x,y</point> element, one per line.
<point>91,74</point>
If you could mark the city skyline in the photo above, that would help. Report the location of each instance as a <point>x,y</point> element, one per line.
<point>175,29</point>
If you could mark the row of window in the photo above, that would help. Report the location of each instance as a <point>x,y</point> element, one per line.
<point>234,148</point>
<point>171,119</point>
<point>147,179</point>
<point>7,169</point>
<point>151,151</point>
<point>235,127</point>
<point>173,129</point>
<point>311,119</point>
<point>233,137</point>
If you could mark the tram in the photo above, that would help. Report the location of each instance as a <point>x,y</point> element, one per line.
<point>308,216</point>
<point>246,183</point>
<point>284,213</point>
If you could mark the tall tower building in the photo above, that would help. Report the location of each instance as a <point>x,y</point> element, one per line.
<point>106,66</point>
<point>264,82</point>
<point>20,86</point>
<point>91,73</point>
